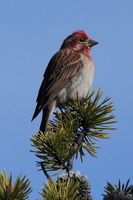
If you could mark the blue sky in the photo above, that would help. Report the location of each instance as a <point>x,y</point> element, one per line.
<point>30,33</point>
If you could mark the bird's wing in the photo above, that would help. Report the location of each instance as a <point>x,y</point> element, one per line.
<point>61,68</point>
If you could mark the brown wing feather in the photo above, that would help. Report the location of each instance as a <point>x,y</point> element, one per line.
<point>61,68</point>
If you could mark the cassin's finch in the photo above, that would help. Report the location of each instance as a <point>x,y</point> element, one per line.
<point>69,74</point>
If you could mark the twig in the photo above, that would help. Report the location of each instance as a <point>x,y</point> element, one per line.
<point>79,139</point>
<point>44,170</point>
<point>69,166</point>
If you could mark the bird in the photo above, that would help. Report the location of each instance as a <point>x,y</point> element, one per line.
<point>69,74</point>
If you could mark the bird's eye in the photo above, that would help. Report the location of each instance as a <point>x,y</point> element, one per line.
<point>82,40</point>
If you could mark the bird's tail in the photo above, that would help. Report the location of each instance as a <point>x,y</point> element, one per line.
<point>47,112</point>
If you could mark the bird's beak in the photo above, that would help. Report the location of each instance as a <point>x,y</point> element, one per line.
<point>91,43</point>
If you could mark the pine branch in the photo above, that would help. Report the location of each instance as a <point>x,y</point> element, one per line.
<point>119,191</point>
<point>76,127</point>
<point>75,187</point>
<point>60,190</point>
<point>90,119</point>
<point>19,191</point>
<point>84,189</point>
<point>54,149</point>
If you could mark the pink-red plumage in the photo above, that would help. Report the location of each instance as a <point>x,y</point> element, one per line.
<point>67,74</point>
<point>81,34</point>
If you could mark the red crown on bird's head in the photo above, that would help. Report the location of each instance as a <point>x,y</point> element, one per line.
<point>80,34</point>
